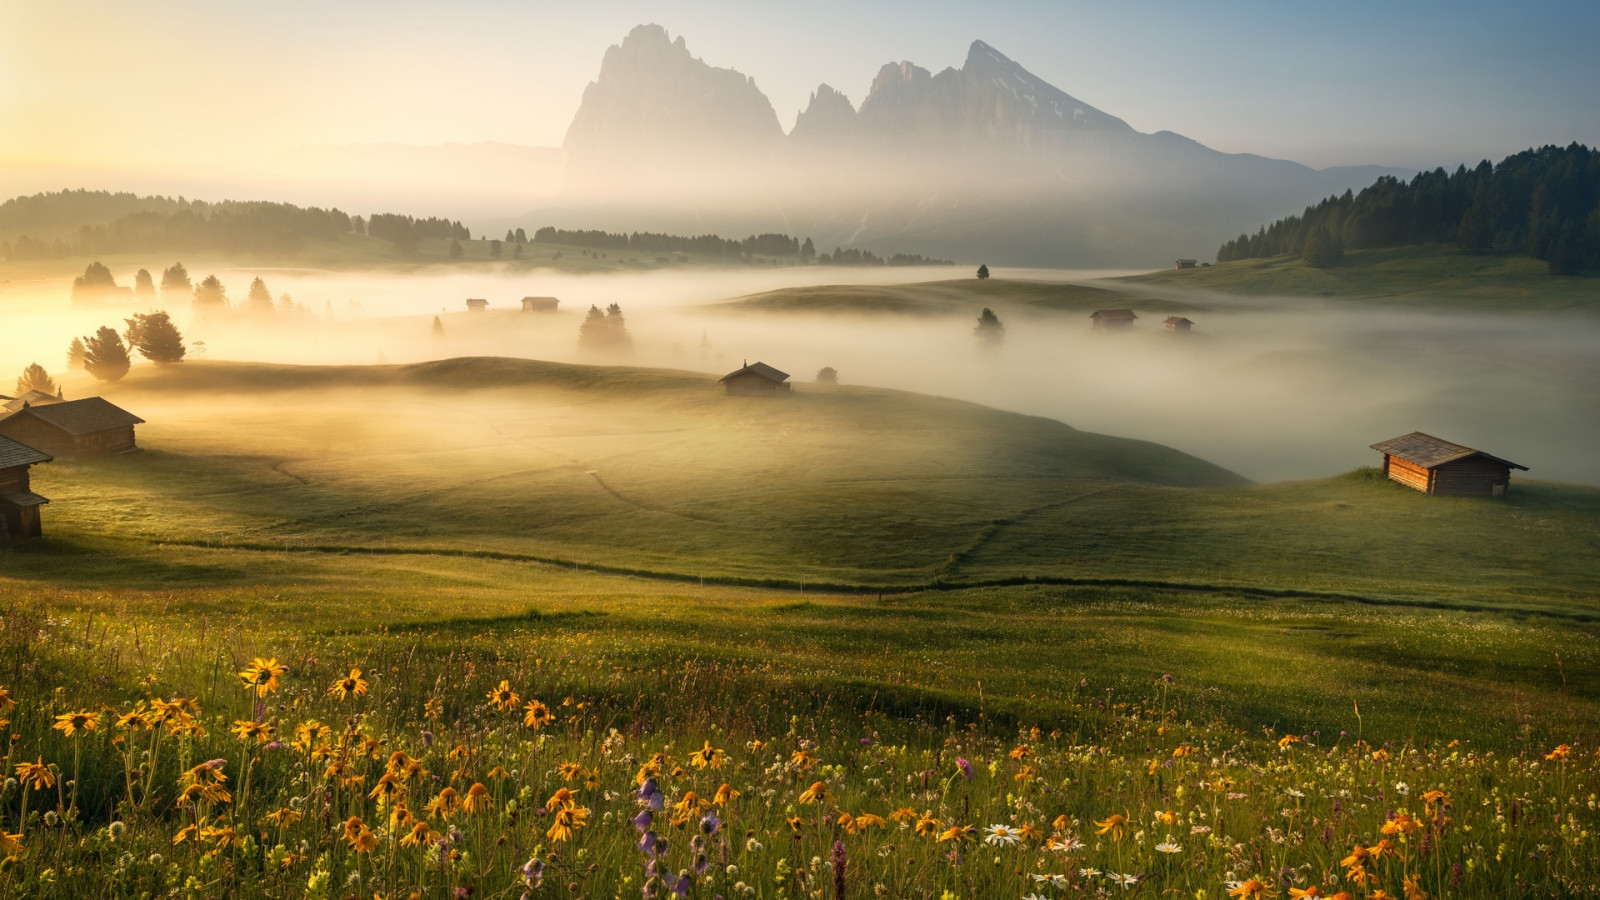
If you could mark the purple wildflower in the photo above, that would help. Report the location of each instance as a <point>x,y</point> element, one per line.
<point>840,861</point>
<point>710,824</point>
<point>533,872</point>
<point>684,885</point>
<point>965,766</point>
<point>643,820</point>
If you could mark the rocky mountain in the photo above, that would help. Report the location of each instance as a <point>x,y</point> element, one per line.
<point>987,159</point>
<point>655,99</point>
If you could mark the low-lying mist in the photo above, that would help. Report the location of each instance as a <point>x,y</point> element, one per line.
<point>1273,388</point>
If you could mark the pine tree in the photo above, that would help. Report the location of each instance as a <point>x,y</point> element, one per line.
<point>104,355</point>
<point>827,375</point>
<point>156,338</point>
<point>259,300</point>
<point>35,378</point>
<point>75,354</point>
<point>144,287</point>
<point>210,294</point>
<point>95,283</point>
<point>983,272</point>
<point>989,329</point>
<point>175,280</point>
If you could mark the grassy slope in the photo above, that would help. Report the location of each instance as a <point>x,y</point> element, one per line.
<point>963,297</point>
<point>1423,275</point>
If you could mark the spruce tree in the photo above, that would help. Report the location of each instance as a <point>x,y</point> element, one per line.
<point>75,354</point>
<point>989,329</point>
<point>175,280</point>
<point>35,378</point>
<point>983,272</point>
<point>104,355</point>
<point>259,300</point>
<point>144,287</point>
<point>156,338</point>
<point>210,294</point>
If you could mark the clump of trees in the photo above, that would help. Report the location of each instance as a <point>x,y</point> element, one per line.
<point>95,284</point>
<point>35,378</point>
<point>104,355</point>
<point>210,296</point>
<point>175,281</point>
<point>604,330</point>
<point>156,338</point>
<point>770,244</point>
<point>989,329</point>
<point>827,375</point>
<point>1544,203</point>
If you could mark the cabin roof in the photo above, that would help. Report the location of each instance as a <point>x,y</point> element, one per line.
<point>1176,320</point>
<point>1114,314</point>
<point>1428,451</point>
<point>84,416</point>
<point>761,369</point>
<point>37,398</point>
<point>557,300</point>
<point>15,453</point>
<point>24,498</point>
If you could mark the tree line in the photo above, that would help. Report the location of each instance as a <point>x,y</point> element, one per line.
<point>770,244</point>
<point>1544,203</point>
<point>68,223</point>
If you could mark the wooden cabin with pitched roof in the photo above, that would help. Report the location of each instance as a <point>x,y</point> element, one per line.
<point>19,505</point>
<point>1111,320</point>
<point>70,429</point>
<point>31,398</point>
<point>1178,323</point>
<point>756,380</point>
<point>1436,466</point>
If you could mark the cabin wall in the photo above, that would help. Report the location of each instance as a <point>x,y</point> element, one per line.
<point>1472,477</point>
<point>112,440</point>
<point>14,480</point>
<point>754,386</point>
<point>1409,474</point>
<point>38,435</point>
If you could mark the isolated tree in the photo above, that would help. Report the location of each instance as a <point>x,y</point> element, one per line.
<point>494,249</point>
<point>989,329</point>
<point>604,330</point>
<point>175,280</point>
<point>104,355</point>
<point>285,305</point>
<point>808,251</point>
<point>455,250</point>
<point>438,327</point>
<point>827,375</point>
<point>35,378</point>
<point>259,300</point>
<point>511,236</point>
<point>75,354</point>
<point>144,287</point>
<point>156,338</point>
<point>983,271</point>
<point>522,236</point>
<point>210,294</point>
<point>95,283</point>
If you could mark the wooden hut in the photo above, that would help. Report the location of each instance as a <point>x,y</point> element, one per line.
<point>477,304</point>
<point>540,304</point>
<point>1185,264</point>
<point>19,505</point>
<point>1436,466</point>
<point>758,380</point>
<point>1177,323</point>
<point>1111,319</point>
<point>31,398</point>
<point>92,426</point>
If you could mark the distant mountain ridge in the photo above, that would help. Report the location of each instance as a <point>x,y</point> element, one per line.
<point>987,160</point>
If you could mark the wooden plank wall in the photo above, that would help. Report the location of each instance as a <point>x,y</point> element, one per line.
<point>1409,474</point>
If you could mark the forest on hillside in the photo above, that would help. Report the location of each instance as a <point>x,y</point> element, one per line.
<point>1544,203</point>
<point>774,245</point>
<point>92,223</point>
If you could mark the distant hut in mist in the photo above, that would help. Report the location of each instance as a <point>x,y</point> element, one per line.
<point>1185,264</point>
<point>475,304</point>
<point>31,398</point>
<point>1111,319</point>
<point>756,380</point>
<point>19,505</point>
<point>1436,466</point>
<point>540,304</point>
<point>1177,323</point>
<point>70,429</point>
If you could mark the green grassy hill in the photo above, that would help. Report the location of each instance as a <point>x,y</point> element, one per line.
<point>956,297</point>
<point>1419,275</point>
<point>658,472</point>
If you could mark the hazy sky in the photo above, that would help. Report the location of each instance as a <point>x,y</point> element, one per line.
<point>229,85</point>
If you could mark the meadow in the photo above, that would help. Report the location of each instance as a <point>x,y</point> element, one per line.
<point>497,628</point>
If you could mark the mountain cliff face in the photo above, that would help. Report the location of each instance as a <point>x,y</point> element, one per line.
<point>986,160</point>
<point>654,100</point>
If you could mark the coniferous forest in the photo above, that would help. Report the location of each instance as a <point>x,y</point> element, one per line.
<point>1544,203</point>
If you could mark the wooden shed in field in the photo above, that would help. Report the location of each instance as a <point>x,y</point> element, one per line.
<point>757,380</point>
<point>477,304</point>
<point>1184,264</point>
<point>92,426</point>
<point>540,304</point>
<point>31,398</point>
<point>19,505</point>
<point>1111,319</point>
<point>1436,466</point>
<point>1177,323</point>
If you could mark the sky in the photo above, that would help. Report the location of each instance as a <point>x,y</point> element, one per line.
<point>170,85</point>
